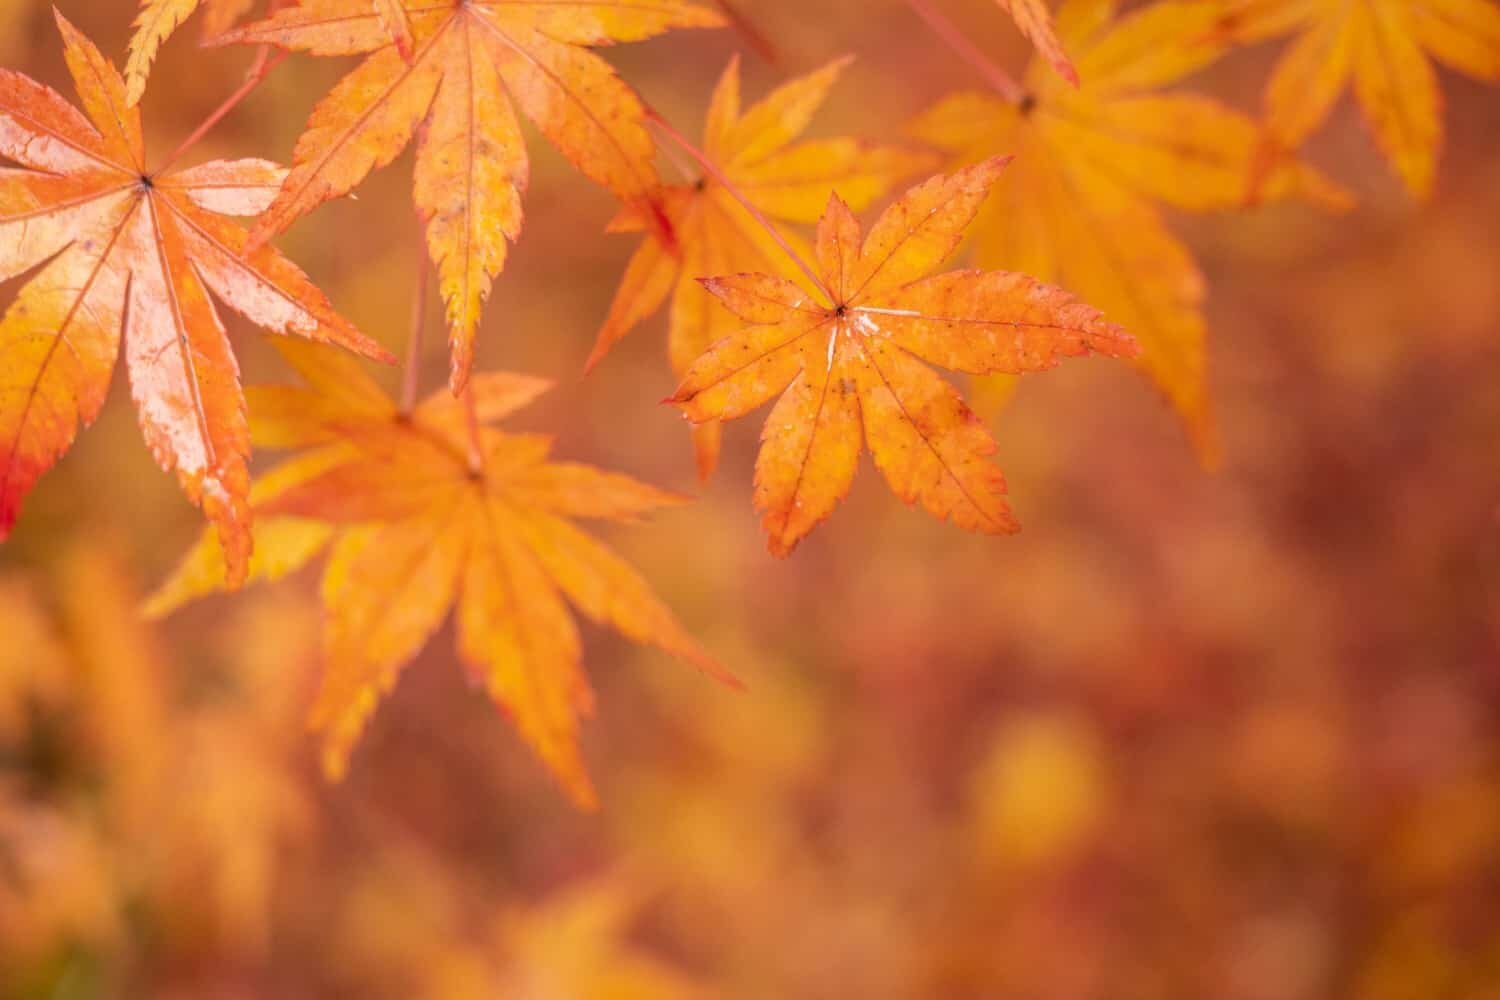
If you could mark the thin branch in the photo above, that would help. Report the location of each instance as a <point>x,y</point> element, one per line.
<point>713,171</point>
<point>259,70</point>
<point>750,33</point>
<point>953,37</point>
<point>411,371</point>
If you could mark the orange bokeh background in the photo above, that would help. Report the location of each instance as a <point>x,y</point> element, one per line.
<point>1229,733</point>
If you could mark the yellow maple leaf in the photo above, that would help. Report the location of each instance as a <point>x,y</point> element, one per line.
<point>1382,48</point>
<point>155,23</point>
<point>1079,207</point>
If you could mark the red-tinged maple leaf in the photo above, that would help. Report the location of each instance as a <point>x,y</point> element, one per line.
<point>754,150</point>
<point>156,22</point>
<point>472,63</point>
<point>1385,48</point>
<point>130,251</point>
<point>414,529</point>
<point>849,369</point>
<point>1080,205</point>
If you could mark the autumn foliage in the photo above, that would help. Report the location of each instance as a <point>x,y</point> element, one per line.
<point>966,764</point>
<point>130,255</point>
<point>416,523</point>
<point>847,360</point>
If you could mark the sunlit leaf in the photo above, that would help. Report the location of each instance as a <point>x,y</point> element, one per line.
<point>847,361</point>
<point>755,149</point>
<point>131,256</point>
<point>464,73</point>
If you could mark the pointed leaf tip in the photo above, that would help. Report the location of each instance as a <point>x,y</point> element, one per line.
<point>994,165</point>
<point>838,64</point>
<point>835,201</point>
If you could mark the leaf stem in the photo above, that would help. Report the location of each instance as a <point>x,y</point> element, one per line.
<point>411,370</point>
<point>259,70</point>
<point>752,35</point>
<point>713,171</point>
<point>953,37</point>
<point>683,167</point>
<point>471,421</point>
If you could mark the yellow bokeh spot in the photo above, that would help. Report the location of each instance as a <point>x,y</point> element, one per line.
<point>1039,791</point>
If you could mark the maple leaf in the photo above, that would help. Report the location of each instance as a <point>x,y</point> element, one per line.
<point>471,63</point>
<point>414,530</point>
<point>1080,205</point>
<point>156,22</point>
<point>1383,48</point>
<point>848,369</point>
<point>754,150</point>
<point>134,252</point>
<point>393,16</point>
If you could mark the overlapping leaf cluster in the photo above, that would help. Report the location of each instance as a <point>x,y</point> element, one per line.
<point>458,73</point>
<point>427,507</point>
<point>756,151</point>
<point>1093,165</point>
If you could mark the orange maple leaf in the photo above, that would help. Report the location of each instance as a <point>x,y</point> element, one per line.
<point>156,22</point>
<point>471,63</point>
<point>414,529</point>
<point>848,368</point>
<point>128,249</point>
<point>1383,46</point>
<point>714,234</point>
<point>1079,207</point>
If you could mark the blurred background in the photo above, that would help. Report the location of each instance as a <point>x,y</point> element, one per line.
<point>1190,734</point>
